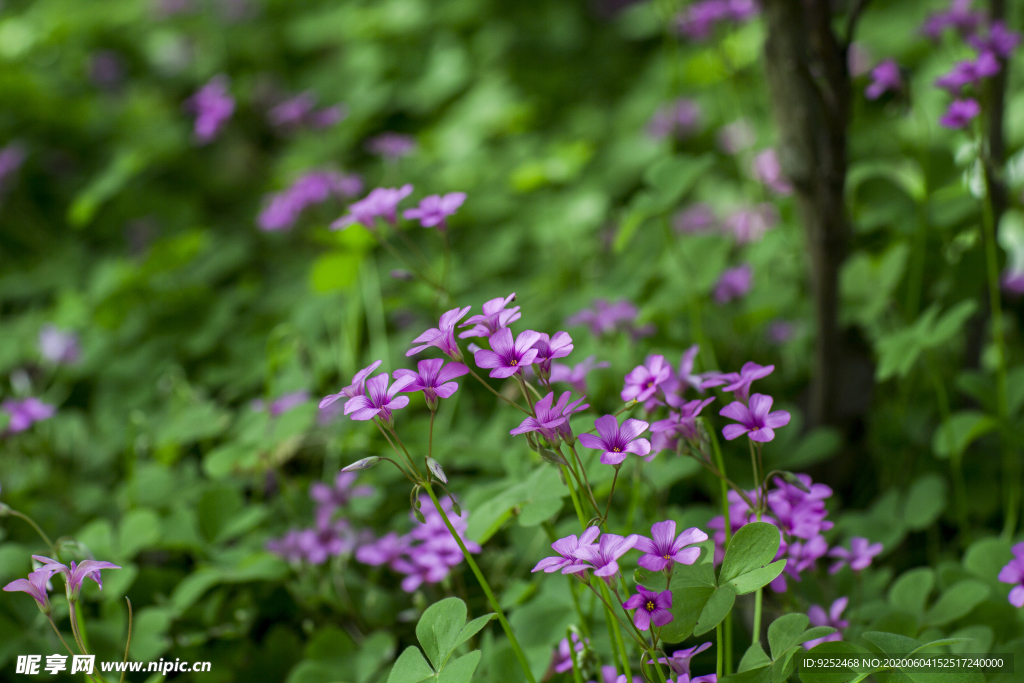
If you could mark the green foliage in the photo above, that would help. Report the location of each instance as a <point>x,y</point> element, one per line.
<point>440,630</point>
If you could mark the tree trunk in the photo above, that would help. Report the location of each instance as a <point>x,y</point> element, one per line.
<point>810,91</point>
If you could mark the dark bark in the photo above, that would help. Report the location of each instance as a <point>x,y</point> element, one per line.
<point>810,92</point>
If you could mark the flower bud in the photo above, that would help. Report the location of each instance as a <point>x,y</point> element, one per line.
<point>364,464</point>
<point>435,469</point>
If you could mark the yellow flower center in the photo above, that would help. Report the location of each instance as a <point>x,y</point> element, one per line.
<point>617,449</point>
<point>666,557</point>
<point>650,605</point>
<point>515,362</point>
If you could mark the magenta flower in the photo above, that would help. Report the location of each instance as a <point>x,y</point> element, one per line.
<point>328,538</point>
<point>969,73</point>
<point>338,495</point>
<point>605,317</point>
<point>651,608</point>
<point>780,331</point>
<point>552,421</point>
<point>287,547</point>
<point>755,421</point>
<point>604,556</point>
<point>379,400</point>
<point>384,550</point>
<point>1000,40</point>
<point>682,424</point>
<point>357,388</point>
<point>433,380</point>
<point>833,618</point>
<point>494,317</point>
<point>282,404</point>
<point>576,376</point>
<point>58,346</point>
<point>506,358</point>
<point>960,113</point>
<point>300,110</point>
<point>959,16</point>
<point>768,171</point>
<point>739,383</point>
<point>562,660</point>
<point>664,548</point>
<point>734,283</point>
<point>859,556</point>
<point>679,662</point>
<point>1012,573</point>
<point>433,210</point>
<point>25,413</point>
<point>800,513</point>
<point>34,585</point>
<point>315,187</point>
<point>550,348</point>
<point>382,202</point>
<point>749,224</point>
<point>885,78</point>
<point>391,145</point>
<point>572,552</point>
<point>616,441</point>
<point>695,219</point>
<point>680,118</point>
<point>642,381</point>
<point>701,18</point>
<point>213,106</point>
<point>442,336</point>
<point>75,575</point>
<point>684,378</point>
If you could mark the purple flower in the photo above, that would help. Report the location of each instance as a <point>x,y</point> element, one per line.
<point>755,421</point>
<point>1012,282</point>
<point>379,400</point>
<point>550,348</point>
<point>651,608</point>
<point>576,376</point>
<point>616,441</point>
<point>75,575</point>
<point>34,585</point>
<point>382,202</point>
<point>433,551</point>
<point>357,388</point>
<point>562,660</point>
<point>969,73</point>
<point>433,210</point>
<point>739,382</point>
<point>283,208</point>
<point>106,69</point>
<point>768,171</point>
<point>679,662</point>
<point>780,331</point>
<point>859,556</point>
<point>391,145</point>
<point>25,413</point>
<point>213,106</point>
<point>1012,573</point>
<point>800,513</point>
<point>681,118</point>
<point>960,113</point>
<point>493,318</point>
<point>701,18</point>
<point>749,224</point>
<point>818,617</point>
<point>604,557</point>
<point>58,346</point>
<point>283,404</point>
<point>442,336</point>
<point>300,110</point>
<point>505,358</point>
<point>608,675</point>
<point>696,218</point>
<point>340,493</point>
<point>682,424</point>
<point>1000,40</point>
<point>572,553</point>
<point>884,78</point>
<point>384,550</point>
<point>433,380</point>
<point>800,556</point>
<point>959,16</point>
<point>684,378</point>
<point>552,421</point>
<point>733,283</point>
<point>642,381</point>
<point>605,317</point>
<point>287,547</point>
<point>329,538</point>
<point>737,136</point>
<point>664,548</point>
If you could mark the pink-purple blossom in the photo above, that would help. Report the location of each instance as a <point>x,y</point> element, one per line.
<point>739,382</point>
<point>576,376</point>
<point>433,211</point>
<point>679,118</point>
<point>443,336</point>
<point>768,171</point>
<point>58,346</point>
<point>282,404</point>
<point>212,105</point>
<point>382,202</point>
<point>391,145</point>
<point>433,379</point>
<point>885,78</point>
<point>969,72</point>
<point>76,574</point>
<point>562,660</point>
<point>678,425</point>
<point>549,348</point>
<point>733,284</point>
<point>383,550</point>
<point>507,358</point>
<point>606,317</point>
<point>552,421</point>
<point>605,554</point>
<point>694,219</point>
<point>1012,573</point>
<point>300,111</point>
<point>572,554</point>
<point>664,548</point>
<point>701,18</point>
<point>651,608</point>
<point>959,16</point>
<point>283,209</point>
<point>617,442</point>
<point>26,412</point>
<point>34,585</point>
<point>832,618</point>
<point>679,662</point>
<point>493,318</point>
<point>357,388</point>
<point>999,40</point>
<point>755,421</point>
<point>380,399</point>
<point>11,158</point>
<point>340,493</point>
<point>749,224</point>
<point>859,556</point>
<point>643,381</point>
<point>328,538</point>
<point>960,113</point>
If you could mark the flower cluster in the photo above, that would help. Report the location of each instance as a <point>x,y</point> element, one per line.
<point>315,187</point>
<point>701,18</point>
<point>609,317</point>
<point>74,576</point>
<point>300,111</point>
<point>26,412</point>
<point>679,118</point>
<point>833,618</point>
<point>426,554</point>
<point>885,78</point>
<point>1013,573</point>
<point>733,283</point>
<point>744,224</point>
<point>391,145</point>
<point>382,202</point>
<point>212,105</point>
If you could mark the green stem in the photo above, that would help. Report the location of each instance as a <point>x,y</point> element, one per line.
<point>720,464</point>
<point>42,534</point>
<point>575,499</point>
<point>576,675</point>
<point>721,650</point>
<point>495,605</point>
<point>497,393</point>
<point>634,498</point>
<point>728,643</point>
<point>654,656</point>
<point>616,631</point>
<point>757,616</point>
<point>955,459</point>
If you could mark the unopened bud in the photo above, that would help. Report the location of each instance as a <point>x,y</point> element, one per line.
<point>364,464</point>
<point>435,469</point>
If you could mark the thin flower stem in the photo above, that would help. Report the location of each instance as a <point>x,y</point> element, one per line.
<point>526,394</point>
<point>721,653</point>
<point>611,610</point>
<point>654,656</point>
<point>57,631</point>
<point>495,605</point>
<point>409,264</point>
<point>575,499</point>
<point>757,616</point>
<point>398,453</point>
<point>616,630</point>
<point>757,478</point>
<point>610,493</point>
<point>634,499</point>
<point>42,534</point>
<point>576,676</point>
<point>129,640</point>
<point>430,442</point>
<point>723,477</point>
<point>955,459</point>
<point>497,393</point>
<point>74,628</point>
<point>586,479</point>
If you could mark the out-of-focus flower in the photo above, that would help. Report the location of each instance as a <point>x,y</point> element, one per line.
<point>11,158</point>
<point>755,420</point>
<point>969,73</point>
<point>701,18</point>
<point>642,381</point>
<point>300,110</point>
<point>338,495</point>
<point>885,78</point>
<point>315,187</point>
<point>384,550</point>
<point>737,136</point>
<point>506,357</point>
<point>664,548</point>
<point>960,113</point>
<point>328,538</point>
<point>859,556</point>
<point>959,16</point>
<point>1012,573</point>
<point>433,380</point>
<point>696,218</point>
<point>651,608</point>
<point>780,331</point>
<point>106,69</point>
<point>562,660</point>
<point>576,376</point>
<point>550,348</point>
<point>617,442</point>
<point>58,346</point>
<point>442,336</point>
<point>357,388</point>
<point>380,399</point>
<point>382,202</point>
<point>832,618</point>
<point>1000,40</point>
<point>76,574</point>
<point>768,171</point>
<point>749,224</point>
<point>733,283</point>
<point>739,382</point>
<point>391,145</point>
<point>282,404</point>
<point>433,210</point>
<point>552,421</point>
<point>493,318</point>
<point>26,412</point>
<point>682,424</point>
<point>605,317</point>
<point>679,662</point>
<point>213,105</point>
<point>680,118</point>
